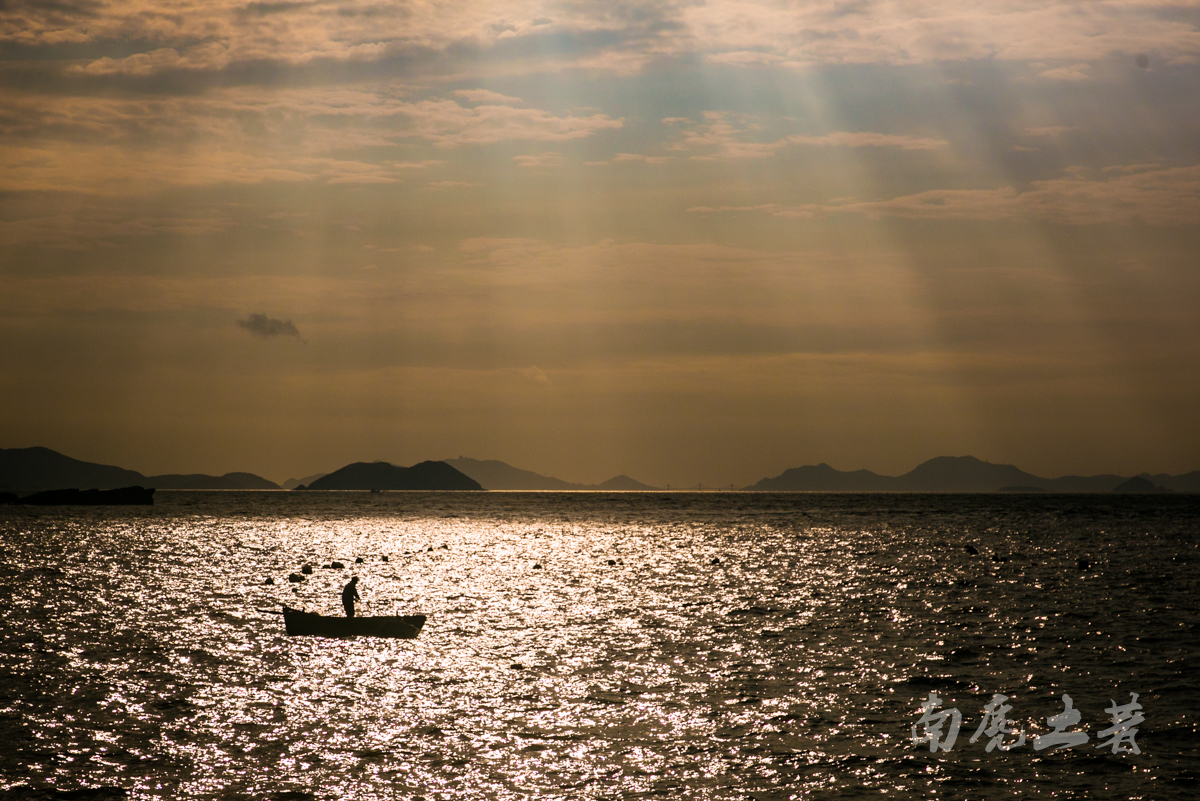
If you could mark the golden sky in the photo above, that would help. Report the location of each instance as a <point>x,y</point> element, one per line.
<point>688,241</point>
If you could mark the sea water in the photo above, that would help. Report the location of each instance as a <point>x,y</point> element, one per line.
<point>602,645</point>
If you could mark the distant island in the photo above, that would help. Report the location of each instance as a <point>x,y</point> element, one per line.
<point>30,469</point>
<point>125,496</point>
<point>966,474</point>
<point>385,476</point>
<point>496,475</point>
<point>25,470</point>
<point>292,483</point>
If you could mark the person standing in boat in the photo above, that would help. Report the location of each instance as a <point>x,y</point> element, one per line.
<point>350,595</point>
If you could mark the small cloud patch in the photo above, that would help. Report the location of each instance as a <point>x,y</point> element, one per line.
<point>260,325</point>
<point>547,159</point>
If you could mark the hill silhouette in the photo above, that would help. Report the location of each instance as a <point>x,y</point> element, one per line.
<point>497,475</point>
<point>960,474</point>
<point>963,474</point>
<point>624,483</point>
<point>292,483</point>
<point>384,476</point>
<point>1139,484</point>
<point>41,468</point>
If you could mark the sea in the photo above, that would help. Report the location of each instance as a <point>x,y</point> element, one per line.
<point>682,645</point>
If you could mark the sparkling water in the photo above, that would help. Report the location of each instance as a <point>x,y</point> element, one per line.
<point>598,645</point>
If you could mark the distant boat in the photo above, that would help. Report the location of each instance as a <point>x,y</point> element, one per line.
<point>300,623</point>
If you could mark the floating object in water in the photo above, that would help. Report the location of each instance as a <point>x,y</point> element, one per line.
<point>538,566</point>
<point>306,570</point>
<point>971,549</point>
<point>715,561</point>
<point>612,562</point>
<point>300,623</point>
<point>336,565</point>
<point>1084,564</point>
<point>269,580</point>
<point>295,578</point>
<point>358,560</point>
<point>385,558</point>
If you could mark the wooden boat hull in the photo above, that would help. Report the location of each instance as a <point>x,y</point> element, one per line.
<point>310,624</point>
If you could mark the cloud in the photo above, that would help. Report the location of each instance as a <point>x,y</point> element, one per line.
<point>1048,131</point>
<point>757,33</point>
<point>447,124</point>
<point>1153,197</point>
<point>1138,194</point>
<point>486,96</point>
<point>260,325</point>
<point>1075,72</point>
<point>122,145</point>
<point>774,209</point>
<point>105,227</point>
<point>625,158</point>
<point>723,135</point>
<point>547,159</point>
<point>473,38</point>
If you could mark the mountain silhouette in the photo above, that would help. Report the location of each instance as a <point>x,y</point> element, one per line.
<point>1139,484</point>
<point>823,478</point>
<point>497,475</point>
<point>41,468</point>
<point>957,474</point>
<point>624,483</point>
<point>384,476</point>
<point>292,483</point>
<point>963,474</point>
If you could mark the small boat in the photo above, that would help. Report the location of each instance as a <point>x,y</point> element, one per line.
<point>301,623</point>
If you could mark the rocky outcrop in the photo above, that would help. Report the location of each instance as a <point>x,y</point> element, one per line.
<point>125,496</point>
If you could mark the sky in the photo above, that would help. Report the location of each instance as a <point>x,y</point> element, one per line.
<point>686,241</point>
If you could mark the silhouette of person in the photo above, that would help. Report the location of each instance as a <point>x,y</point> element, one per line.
<point>350,595</point>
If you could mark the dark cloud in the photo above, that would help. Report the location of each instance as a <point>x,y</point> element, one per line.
<point>263,9</point>
<point>260,325</point>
